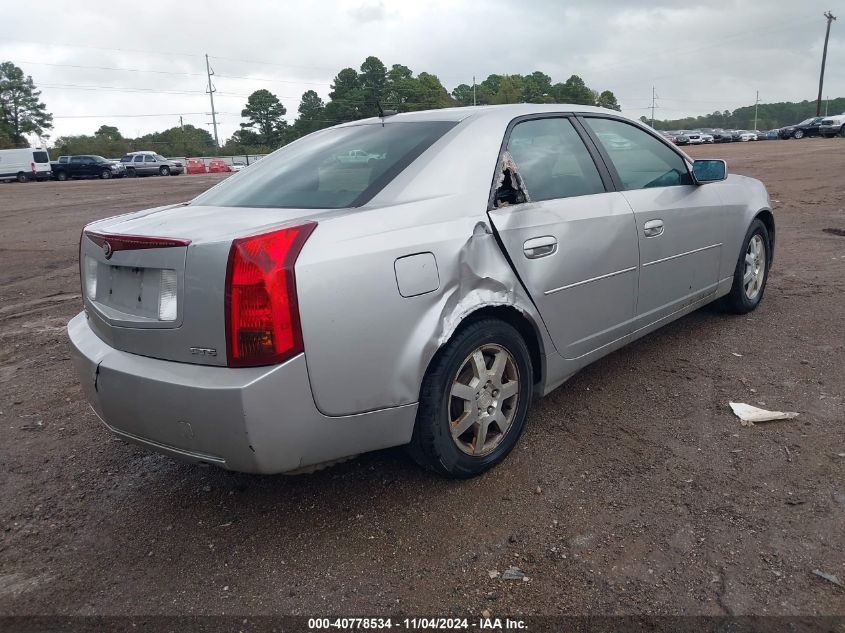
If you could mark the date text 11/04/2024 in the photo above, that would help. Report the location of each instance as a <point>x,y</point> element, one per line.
<point>416,624</point>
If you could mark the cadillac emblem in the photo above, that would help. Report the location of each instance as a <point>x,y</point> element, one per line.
<point>107,250</point>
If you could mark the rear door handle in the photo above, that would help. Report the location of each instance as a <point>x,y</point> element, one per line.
<point>539,246</point>
<point>653,228</point>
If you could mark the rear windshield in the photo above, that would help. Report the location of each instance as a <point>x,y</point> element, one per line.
<point>126,159</point>
<point>40,157</point>
<point>330,169</point>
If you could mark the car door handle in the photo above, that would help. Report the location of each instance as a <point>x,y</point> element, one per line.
<point>539,246</point>
<point>653,228</point>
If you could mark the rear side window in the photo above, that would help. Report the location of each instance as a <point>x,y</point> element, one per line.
<point>330,169</point>
<point>641,160</point>
<point>126,159</point>
<point>552,160</point>
<point>40,157</point>
<point>139,159</point>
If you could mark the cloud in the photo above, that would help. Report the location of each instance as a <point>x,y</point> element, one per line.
<point>699,58</point>
<point>368,12</point>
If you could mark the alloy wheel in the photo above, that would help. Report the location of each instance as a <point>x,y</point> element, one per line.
<point>755,267</point>
<point>483,400</point>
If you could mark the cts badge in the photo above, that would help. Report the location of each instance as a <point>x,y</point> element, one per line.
<point>203,351</point>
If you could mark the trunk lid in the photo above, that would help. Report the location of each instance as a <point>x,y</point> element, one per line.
<point>154,281</point>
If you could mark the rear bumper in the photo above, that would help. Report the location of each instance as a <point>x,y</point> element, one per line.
<point>259,420</point>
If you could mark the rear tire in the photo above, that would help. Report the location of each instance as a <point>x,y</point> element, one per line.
<point>842,131</point>
<point>61,176</point>
<point>751,272</point>
<point>21,177</point>
<point>131,173</point>
<point>476,393</point>
<point>164,170</point>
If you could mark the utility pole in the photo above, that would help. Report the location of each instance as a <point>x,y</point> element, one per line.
<point>756,103</point>
<point>653,97</point>
<point>826,103</point>
<point>211,90</point>
<point>182,133</point>
<point>830,18</point>
<point>473,90</point>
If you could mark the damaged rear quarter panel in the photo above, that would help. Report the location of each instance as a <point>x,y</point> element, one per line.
<point>366,346</point>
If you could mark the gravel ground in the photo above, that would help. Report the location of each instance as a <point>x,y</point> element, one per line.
<point>633,490</point>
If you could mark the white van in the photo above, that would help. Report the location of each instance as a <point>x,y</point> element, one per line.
<point>28,163</point>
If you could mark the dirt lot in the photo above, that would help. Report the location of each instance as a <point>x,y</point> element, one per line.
<point>633,490</point>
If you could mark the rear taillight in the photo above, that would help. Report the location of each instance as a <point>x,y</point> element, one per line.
<point>262,315</point>
<point>33,167</point>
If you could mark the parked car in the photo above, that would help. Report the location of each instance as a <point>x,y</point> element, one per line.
<point>195,166</point>
<point>490,255</point>
<point>237,166</point>
<point>745,136</point>
<point>680,137</point>
<point>217,166</point>
<point>708,138</point>
<point>86,166</point>
<point>832,126</point>
<point>807,127</point>
<point>695,137</point>
<point>25,163</point>
<point>722,136</point>
<point>150,164</point>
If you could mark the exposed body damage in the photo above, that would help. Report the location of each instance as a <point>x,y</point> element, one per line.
<point>509,186</point>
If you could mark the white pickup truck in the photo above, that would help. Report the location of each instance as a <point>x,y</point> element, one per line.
<point>832,125</point>
<point>358,156</point>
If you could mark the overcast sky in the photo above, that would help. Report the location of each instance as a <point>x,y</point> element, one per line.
<point>150,59</point>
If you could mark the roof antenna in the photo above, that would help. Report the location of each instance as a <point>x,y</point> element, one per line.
<point>380,111</point>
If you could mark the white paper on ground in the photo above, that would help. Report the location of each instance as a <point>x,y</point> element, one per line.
<point>749,415</point>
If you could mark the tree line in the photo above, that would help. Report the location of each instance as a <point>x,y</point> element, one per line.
<point>769,116</point>
<point>355,94</point>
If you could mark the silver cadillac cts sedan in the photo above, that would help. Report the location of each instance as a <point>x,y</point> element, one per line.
<point>313,307</point>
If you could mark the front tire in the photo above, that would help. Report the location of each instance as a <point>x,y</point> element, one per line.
<point>798,134</point>
<point>164,170</point>
<point>105,174</point>
<point>752,270</point>
<point>474,401</point>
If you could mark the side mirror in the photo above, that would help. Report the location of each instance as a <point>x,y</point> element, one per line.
<point>705,171</point>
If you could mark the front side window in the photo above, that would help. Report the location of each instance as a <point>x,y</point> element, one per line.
<point>149,159</point>
<point>641,160</point>
<point>552,160</point>
<point>316,173</point>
